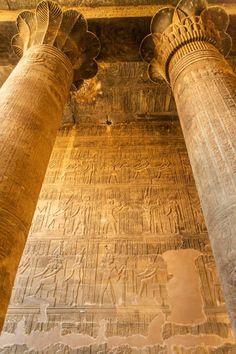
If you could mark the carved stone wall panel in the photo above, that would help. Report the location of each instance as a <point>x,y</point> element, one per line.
<point>118,258</point>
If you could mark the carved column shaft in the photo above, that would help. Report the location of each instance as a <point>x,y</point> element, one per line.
<point>186,47</point>
<point>204,88</point>
<point>56,49</point>
<point>32,102</point>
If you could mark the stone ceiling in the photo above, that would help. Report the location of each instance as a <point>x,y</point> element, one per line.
<point>121,92</point>
<point>19,4</point>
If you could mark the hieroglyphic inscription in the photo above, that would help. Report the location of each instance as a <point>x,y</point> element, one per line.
<point>117,236</point>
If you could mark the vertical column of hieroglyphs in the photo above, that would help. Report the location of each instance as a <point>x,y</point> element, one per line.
<point>187,47</point>
<point>118,258</point>
<point>52,45</point>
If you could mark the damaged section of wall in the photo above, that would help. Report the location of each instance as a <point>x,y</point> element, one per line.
<point>118,259</point>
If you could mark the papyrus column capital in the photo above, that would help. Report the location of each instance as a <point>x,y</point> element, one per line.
<point>67,31</point>
<point>189,26</point>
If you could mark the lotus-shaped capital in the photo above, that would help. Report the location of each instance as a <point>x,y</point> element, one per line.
<point>65,30</point>
<point>172,27</point>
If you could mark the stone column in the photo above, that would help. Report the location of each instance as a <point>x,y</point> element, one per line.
<point>56,48</point>
<point>187,47</point>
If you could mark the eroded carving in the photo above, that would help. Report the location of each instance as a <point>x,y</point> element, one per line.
<point>140,278</point>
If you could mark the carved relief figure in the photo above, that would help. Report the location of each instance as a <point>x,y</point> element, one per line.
<point>187,171</point>
<point>197,214</point>
<point>141,168</point>
<point>71,216</point>
<point>153,281</point>
<point>78,171</point>
<point>59,217</point>
<point>76,275</point>
<point>115,171</point>
<point>39,220</point>
<point>174,214</point>
<point>82,217</point>
<point>213,277</point>
<point>152,216</point>
<point>48,276</point>
<point>110,274</point>
<point>110,216</point>
<point>156,173</point>
<point>148,217</point>
<point>25,264</point>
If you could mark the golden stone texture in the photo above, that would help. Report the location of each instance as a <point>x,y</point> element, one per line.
<point>32,102</point>
<point>187,47</point>
<point>118,257</point>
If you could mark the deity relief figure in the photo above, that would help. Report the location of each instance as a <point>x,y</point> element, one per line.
<point>25,264</point>
<point>152,213</point>
<point>188,173</point>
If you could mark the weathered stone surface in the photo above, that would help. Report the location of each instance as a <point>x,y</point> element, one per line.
<point>32,102</point>
<point>27,135</point>
<point>186,47</point>
<point>210,138</point>
<point>163,295</point>
<point>118,258</point>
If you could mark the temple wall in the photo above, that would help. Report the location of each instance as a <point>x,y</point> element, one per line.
<point>118,258</point>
